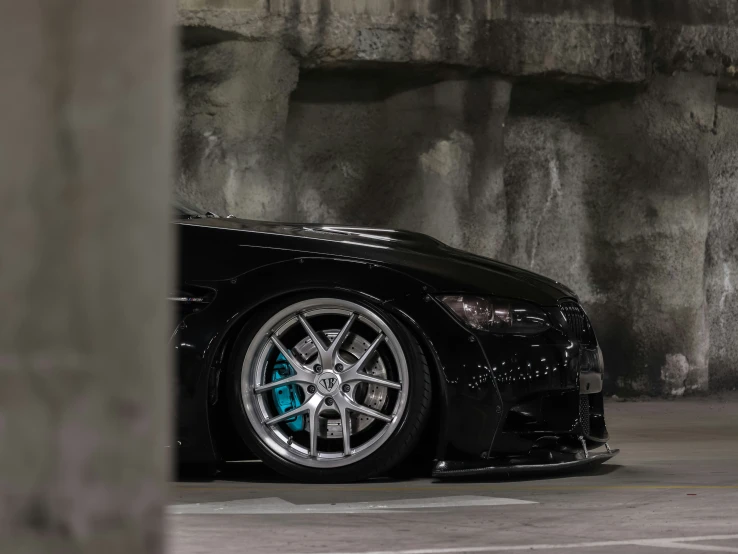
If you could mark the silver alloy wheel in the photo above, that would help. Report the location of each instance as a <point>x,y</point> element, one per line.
<point>329,381</point>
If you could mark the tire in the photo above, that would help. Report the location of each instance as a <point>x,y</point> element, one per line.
<point>382,398</point>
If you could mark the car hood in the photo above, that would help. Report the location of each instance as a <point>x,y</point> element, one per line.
<point>438,265</point>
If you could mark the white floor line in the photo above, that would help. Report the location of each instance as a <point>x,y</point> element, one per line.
<point>677,543</point>
<point>279,506</point>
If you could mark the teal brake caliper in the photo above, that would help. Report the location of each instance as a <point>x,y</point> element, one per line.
<point>287,398</point>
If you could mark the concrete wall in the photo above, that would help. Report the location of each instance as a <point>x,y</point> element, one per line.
<point>611,40</point>
<point>582,140</point>
<point>614,200</point>
<point>413,158</point>
<point>721,261</point>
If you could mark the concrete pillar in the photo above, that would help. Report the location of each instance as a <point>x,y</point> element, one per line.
<point>388,149</point>
<point>439,151</point>
<point>649,205</point>
<point>486,106</point>
<point>335,145</point>
<point>232,127</point>
<point>547,152</point>
<point>721,269</point>
<point>85,152</point>
<point>453,133</point>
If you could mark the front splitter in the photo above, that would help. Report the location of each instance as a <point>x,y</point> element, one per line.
<point>510,468</point>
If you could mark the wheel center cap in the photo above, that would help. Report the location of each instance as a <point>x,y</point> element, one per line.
<point>328,382</point>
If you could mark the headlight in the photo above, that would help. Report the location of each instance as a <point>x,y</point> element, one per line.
<point>497,315</point>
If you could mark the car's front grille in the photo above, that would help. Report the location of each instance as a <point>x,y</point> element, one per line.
<point>584,414</point>
<point>578,322</point>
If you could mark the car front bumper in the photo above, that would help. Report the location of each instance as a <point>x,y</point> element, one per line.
<point>522,465</point>
<point>516,404</point>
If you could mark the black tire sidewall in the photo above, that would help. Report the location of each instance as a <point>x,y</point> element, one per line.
<point>389,454</point>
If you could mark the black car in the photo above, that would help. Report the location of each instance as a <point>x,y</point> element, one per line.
<point>338,353</point>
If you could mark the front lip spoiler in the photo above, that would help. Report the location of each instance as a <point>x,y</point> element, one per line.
<point>509,468</point>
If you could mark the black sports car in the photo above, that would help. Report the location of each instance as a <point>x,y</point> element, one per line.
<point>339,353</point>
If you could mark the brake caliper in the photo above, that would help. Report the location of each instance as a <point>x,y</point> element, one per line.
<point>287,398</point>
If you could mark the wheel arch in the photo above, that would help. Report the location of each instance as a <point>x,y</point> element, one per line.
<point>432,441</point>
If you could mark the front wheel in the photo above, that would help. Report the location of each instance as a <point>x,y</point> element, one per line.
<point>329,389</point>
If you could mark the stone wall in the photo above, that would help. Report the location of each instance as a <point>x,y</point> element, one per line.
<point>584,140</point>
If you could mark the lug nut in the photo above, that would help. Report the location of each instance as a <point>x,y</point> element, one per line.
<point>346,388</point>
<point>339,367</point>
<point>318,368</point>
<point>329,402</point>
<point>311,389</point>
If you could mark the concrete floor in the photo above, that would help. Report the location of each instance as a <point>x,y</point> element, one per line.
<point>675,478</point>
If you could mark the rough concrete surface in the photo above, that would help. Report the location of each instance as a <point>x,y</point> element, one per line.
<point>613,40</point>
<point>589,141</point>
<point>232,127</point>
<point>86,155</point>
<point>412,160</point>
<point>722,246</point>
<point>610,193</point>
<point>649,203</point>
<point>675,478</point>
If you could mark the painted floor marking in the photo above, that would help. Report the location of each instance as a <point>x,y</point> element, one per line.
<point>279,506</point>
<point>675,543</point>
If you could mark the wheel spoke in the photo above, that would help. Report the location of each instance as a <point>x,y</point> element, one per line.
<point>346,430</point>
<point>285,416</point>
<point>341,337</point>
<point>323,356</point>
<point>313,429</point>
<point>314,405</point>
<point>311,332</point>
<point>366,356</point>
<point>297,366</point>
<point>356,407</point>
<point>366,378</point>
<point>294,380</point>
